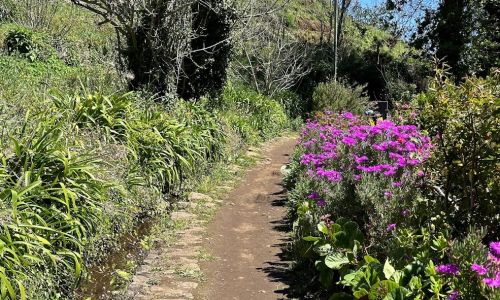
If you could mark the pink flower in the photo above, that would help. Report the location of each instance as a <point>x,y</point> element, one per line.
<point>360,159</point>
<point>449,269</point>
<point>396,184</point>
<point>388,194</point>
<point>391,227</point>
<point>420,173</point>
<point>454,295</point>
<point>348,115</point>
<point>480,270</point>
<point>349,141</point>
<point>390,172</point>
<point>493,282</point>
<point>495,249</point>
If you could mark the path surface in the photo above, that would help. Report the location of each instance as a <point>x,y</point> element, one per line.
<point>247,235</point>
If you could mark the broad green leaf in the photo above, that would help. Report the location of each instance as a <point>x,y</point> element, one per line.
<point>322,228</point>
<point>388,269</point>
<point>311,238</point>
<point>336,260</point>
<point>369,259</point>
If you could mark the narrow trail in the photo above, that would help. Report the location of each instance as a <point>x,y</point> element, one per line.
<point>247,235</point>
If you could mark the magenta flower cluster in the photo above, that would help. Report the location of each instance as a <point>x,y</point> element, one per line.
<point>345,147</point>
<point>336,136</point>
<point>493,267</point>
<point>448,269</point>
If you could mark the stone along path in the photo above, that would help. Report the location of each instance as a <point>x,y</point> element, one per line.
<point>238,255</point>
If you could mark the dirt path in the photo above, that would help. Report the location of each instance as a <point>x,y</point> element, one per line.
<point>247,234</point>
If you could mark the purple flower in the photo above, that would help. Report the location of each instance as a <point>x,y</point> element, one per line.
<point>349,141</point>
<point>388,194</point>
<point>493,282</point>
<point>357,177</point>
<point>313,195</point>
<point>480,270</point>
<point>379,147</point>
<point>330,175</point>
<point>495,249</point>
<point>420,173</point>
<point>396,183</point>
<point>405,213</point>
<point>454,295</point>
<point>360,159</point>
<point>348,115</point>
<point>391,227</point>
<point>390,172</point>
<point>449,269</point>
<point>320,202</point>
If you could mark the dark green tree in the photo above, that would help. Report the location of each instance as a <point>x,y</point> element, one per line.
<point>464,34</point>
<point>204,70</point>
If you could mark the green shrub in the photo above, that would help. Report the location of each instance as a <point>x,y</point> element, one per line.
<point>250,113</point>
<point>98,111</point>
<point>293,104</point>
<point>465,121</point>
<point>53,199</point>
<point>21,42</point>
<point>339,97</point>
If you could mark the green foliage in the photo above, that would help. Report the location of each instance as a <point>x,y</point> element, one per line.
<point>21,42</point>
<point>249,112</point>
<point>98,111</point>
<point>54,200</point>
<point>464,34</point>
<point>339,97</point>
<point>293,104</point>
<point>465,120</point>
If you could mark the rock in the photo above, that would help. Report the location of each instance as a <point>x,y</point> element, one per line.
<point>195,197</point>
<point>182,204</point>
<point>181,215</point>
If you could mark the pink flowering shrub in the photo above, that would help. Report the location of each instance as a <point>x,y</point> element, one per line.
<point>490,272</point>
<point>362,170</point>
<point>376,174</point>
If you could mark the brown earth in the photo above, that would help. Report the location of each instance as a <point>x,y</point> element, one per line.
<point>248,234</point>
<point>238,254</point>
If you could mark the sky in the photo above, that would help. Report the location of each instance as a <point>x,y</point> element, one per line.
<point>369,3</point>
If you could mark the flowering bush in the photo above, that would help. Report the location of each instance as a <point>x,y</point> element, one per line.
<point>348,170</point>
<point>364,171</point>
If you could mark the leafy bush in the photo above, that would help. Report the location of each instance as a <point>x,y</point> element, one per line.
<point>21,42</point>
<point>339,97</point>
<point>250,112</point>
<point>53,199</point>
<point>465,121</point>
<point>98,111</point>
<point>364,172</point>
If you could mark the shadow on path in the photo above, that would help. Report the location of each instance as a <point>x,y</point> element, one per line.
<point>283,270</point>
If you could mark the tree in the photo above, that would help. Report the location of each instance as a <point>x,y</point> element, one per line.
<point>268,58</point>
<point>169,45</point>
<point>204,70</point>
<point>464,33</point>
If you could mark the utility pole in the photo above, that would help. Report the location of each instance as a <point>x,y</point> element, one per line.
<point>336,37</point>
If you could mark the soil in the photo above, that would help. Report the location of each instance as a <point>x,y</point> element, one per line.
<point>238,255</point>
<point>248,235</point>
